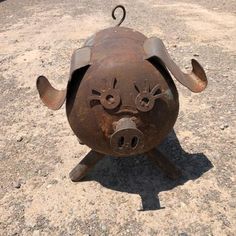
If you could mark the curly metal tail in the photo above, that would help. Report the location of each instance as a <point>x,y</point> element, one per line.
<point>124,14</point>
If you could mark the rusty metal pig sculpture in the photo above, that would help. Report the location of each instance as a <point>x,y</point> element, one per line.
<point>120,97</point>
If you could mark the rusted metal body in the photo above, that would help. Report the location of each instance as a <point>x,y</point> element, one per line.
<point>120,98</point>
<point>123,105</point>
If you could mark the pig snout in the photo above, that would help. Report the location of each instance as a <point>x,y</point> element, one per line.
<point>127,138</point>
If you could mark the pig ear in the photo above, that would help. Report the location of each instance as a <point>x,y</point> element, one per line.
<point>81,58</point>
<point>156,52</point>
<point>54,98</point>
<point>50,96</point>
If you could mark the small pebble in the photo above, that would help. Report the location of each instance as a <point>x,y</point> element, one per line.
<point>196,55</point>
<point>19,138</point>
<point>93,216</point>
<point>54,181</point>
<point>17,184</point>
<point>43,173</point>
<point>183,234</point>
<point>49,186</point>
<point>232,204</point>
<point>223,127</point>
<point>103,227</point>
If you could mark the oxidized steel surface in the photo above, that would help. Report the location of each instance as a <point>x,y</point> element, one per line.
<point>120,98</point>
<point>119,84</point>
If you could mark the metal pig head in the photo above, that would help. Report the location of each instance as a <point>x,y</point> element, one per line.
<point>54,98</point>
<point>156,53</point>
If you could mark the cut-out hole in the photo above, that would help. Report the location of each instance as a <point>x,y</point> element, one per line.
<point>94,103</point>
<point>121,142</point>
<point>110,99</point>
<point>134,142</point>
<point>158,91</point>
<point>145,100</point>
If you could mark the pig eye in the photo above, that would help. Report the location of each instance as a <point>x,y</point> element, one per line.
<point>109,96</point>
<point>146,98</point>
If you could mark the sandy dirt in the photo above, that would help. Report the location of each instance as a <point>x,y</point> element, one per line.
<point>120,196</point>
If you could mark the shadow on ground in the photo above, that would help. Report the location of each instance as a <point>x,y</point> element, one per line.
<point>138,175</point>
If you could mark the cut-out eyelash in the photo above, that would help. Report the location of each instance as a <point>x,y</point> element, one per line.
<point>145,88</point>
<point>95,92</point>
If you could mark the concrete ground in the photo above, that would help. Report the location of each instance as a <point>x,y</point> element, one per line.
<point>120,196</point>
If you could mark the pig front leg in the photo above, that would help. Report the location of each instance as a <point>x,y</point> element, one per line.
<point>85,165</point>
<point>164,164</point>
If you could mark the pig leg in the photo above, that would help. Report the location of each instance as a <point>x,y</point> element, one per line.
<point>164,164</point>
<point>86,164</point>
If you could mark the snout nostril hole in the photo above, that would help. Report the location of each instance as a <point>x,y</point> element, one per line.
<point>134,142</point>
<point>121,142</point>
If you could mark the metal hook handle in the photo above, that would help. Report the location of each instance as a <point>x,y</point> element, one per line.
<point>124,14</point>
